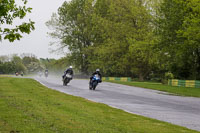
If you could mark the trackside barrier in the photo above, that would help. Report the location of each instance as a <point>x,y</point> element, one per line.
<point>117,78</point>
<point>184,83</point>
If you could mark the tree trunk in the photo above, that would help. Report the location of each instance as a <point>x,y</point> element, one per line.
<point>141,77</point>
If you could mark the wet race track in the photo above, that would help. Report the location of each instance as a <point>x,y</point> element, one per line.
<point>183,111</point>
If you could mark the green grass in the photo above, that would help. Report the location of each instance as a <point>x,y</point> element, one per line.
<point>28,107</point>
<point>182,91</point>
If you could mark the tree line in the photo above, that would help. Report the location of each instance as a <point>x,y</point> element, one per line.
<point>137,38</point>
<point>26,63</point>
<point>30,64</point>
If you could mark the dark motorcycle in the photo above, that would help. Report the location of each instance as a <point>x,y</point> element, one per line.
<point>66,79</point>
<point>94,82</point>
<point>46,74</point>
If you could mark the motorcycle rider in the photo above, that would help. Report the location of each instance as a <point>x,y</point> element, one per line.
<point>46,72</point>
<point>69,71</point>
<point>96,72</point>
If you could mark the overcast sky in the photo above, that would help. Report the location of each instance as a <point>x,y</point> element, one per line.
<point>37,42</point>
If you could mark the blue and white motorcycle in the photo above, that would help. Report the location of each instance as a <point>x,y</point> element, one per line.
<point>94,82</point>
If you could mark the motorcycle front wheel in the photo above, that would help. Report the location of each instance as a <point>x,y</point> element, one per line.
<point>94,85</point>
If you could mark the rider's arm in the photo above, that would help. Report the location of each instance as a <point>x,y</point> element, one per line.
<point>66,71</point>
<point>72,73</point>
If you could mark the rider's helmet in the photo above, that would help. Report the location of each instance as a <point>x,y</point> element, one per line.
<point>70,67</point>
<point>97,70</point>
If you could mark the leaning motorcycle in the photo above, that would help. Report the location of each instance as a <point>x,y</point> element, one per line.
<point>94,82</point>
<point>66,79</point>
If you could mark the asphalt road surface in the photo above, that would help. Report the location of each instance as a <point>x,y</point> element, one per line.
<point>183,111</point>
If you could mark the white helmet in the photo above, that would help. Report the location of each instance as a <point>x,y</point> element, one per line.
<point>70,66</point>
<point>97,70</point>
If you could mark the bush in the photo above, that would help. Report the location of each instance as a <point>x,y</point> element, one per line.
<point>169,75</point>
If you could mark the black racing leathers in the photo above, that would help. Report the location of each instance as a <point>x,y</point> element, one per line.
<point>68,71</point>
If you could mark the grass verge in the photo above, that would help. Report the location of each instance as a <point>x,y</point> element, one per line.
<point>5,75</point>
<point>181,91</point>
<point>27,106</point>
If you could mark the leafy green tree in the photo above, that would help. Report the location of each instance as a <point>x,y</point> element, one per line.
<point>8,68</point>
<point>19,66</point>
<point>179,37</point>
<point>71,28</point>
<point>1,67</point>
<point>123,35</point>
<point>31,63</point>
<point>190,35</point>
<point>9,11</point>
